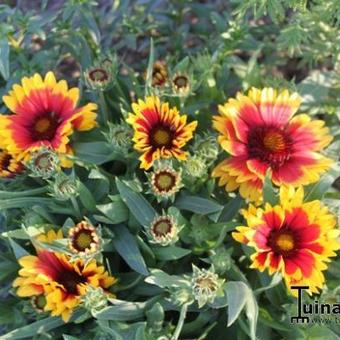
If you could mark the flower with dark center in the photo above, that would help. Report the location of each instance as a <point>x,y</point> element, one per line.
<point>44,114</point>
<point>61,282</point>
<point>163,230</point>
<point>44,163</point>
<point>262,136</point>
<point>181,84</point>
<point>294,238</point>
<point>159,131</point>
<point>84,239</point>
<point>165,181</point>
<point>98,78</point>
<point>9,166</point>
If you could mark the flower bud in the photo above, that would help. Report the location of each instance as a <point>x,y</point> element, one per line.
<point>44,163</point>
<point>64,187</point>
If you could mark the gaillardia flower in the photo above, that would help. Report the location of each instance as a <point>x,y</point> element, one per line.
<point>159,131</point>
<point>84,239</point>
<point>63,283</point>
<point>260,133</point>
<point>43,113</point>
<point>165,181</point>
<point>181,84</point>
<point>164,230</point>
<point>9,166</point>
<point>294,238</point>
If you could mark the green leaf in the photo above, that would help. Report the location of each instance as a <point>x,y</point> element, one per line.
<point>17,249</point>
<point>164,280</point>
<point>149,71</point>
<point>126,245</point>
<point>197,205</point>
<point>37,327</point>
<point>231,209</point>
<point>317,190</point>
<point>269,194</point>
<point>276,279</point>
<point>20,194</point>
<point>24,202</point>
<point>138,205</point>
<point>93,152</point>
<point>239,295</point>
<point>4,58</point>
<point>170,253</point>
<point>122,311</point>
<point>86,197</point>
<point>116,212</point>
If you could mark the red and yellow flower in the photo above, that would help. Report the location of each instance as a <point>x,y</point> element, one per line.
<point>9,166</point>
<point>159,131</point>
<point>62,282</point>
<point>261,134</point>
<point>43,114</point>
<point>294,238</point>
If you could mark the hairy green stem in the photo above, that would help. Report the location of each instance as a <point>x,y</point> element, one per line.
<point>180,323</point>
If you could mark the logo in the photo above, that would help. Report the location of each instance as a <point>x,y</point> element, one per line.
<point>307,311</point>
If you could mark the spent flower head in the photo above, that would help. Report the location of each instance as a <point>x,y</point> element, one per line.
<point>205,285</point>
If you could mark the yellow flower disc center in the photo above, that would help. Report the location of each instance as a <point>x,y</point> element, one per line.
<point>165,182</point>
<point>285,242</point>
<point>42,125</point>
<point>206,283</point>
<point>161,137</point>
<point>83,240</point>
<point>98,75</point>
<point>162,228</point>
<point>274,141</point>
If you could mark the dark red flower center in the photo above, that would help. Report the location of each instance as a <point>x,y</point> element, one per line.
<point>161,136</point>
<point>162,227</point>
<point>270,145</point>
<point>98,75</point>
<point>164,181</point>
<point>282,241</point>
<point>70,280</point>
<point>181,81</point>
<point>5,160</point>
<point>45,127</point>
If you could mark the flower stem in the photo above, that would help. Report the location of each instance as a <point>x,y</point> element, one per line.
<point>104,108</point>
<point>180,324</point>
<point>76,208</point>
